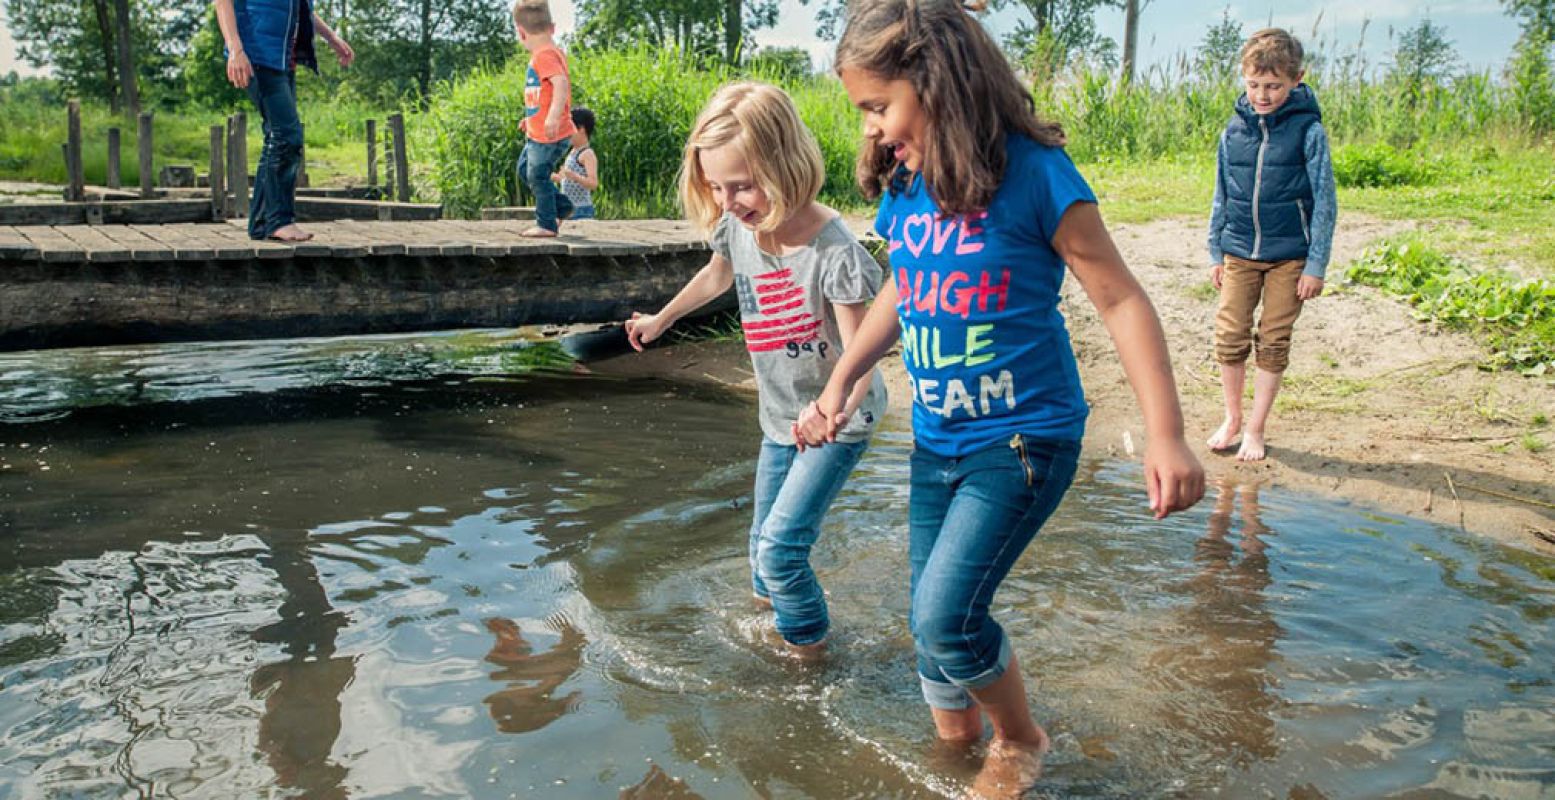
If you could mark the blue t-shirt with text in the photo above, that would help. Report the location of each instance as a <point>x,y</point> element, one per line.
<point>984,342</point>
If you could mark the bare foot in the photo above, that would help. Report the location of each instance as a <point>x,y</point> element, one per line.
<point>763,603</point>
<point>290,234</point>
<point>1010,769</point>
<point>538,232</point>
<point>808,653</point>
<point>1252,447</point>
<point>1225,437</point>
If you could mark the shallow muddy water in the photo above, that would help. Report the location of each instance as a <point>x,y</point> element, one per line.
<point>404,567</point>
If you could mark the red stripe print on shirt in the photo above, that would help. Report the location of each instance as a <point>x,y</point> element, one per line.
<point>776,294</point>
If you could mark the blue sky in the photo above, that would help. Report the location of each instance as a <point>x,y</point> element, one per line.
<point>1479,29</point>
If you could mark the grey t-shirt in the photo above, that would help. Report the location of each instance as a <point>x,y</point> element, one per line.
<point>790,328</point>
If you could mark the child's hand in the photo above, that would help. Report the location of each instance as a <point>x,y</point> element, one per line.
<point>644,328</point>
<point>1308,287</point>
<point>1217,274</point>
<point>556,177</point>
<point>1174,479</point>
<point>813,429</point>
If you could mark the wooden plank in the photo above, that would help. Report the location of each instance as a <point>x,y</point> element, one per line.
<point>15,247</point>
<point>140,246</point>
<point>98,247</point>
<point>377,241</point>
<point>52,245</point>
<point>510,237</point>
<point>31,214</point>
<point>614,231</point>
<point>508,213</point>
<point>326,209</point>
<point>487,243</point>
<point>678,236</point>
<point>235,234</point>
<point>154,212</point>
<point>343,242</point>
<point>189,245</point>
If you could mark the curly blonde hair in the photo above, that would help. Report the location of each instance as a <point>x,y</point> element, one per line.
<point>1274,51</point>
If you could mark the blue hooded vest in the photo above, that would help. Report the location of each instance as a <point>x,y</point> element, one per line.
<point>1268,194</point>
<point>265,26</point>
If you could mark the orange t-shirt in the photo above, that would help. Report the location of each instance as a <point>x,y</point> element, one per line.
<point>539,93</point>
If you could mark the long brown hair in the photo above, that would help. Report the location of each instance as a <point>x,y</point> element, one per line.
<point>969,92</point>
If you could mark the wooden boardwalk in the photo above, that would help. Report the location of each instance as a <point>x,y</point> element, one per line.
<point>96,285</point>
<point>346,239</point>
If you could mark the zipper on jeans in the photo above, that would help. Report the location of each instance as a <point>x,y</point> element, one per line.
<point>1018,444</point>
<point>1306,232</point>
<point>1263,147</point>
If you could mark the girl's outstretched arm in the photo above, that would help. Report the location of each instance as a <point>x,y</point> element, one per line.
<point>709,282</point>
<point>879,330</point>
<point>1173,477</point>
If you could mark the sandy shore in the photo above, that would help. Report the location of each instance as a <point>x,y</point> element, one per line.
<point>1377,407</point>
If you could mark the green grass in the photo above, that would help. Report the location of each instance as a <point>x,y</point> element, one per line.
<point>32,130</point>
<point>1512,315</point>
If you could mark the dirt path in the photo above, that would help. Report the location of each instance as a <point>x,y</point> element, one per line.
<point>1376,406</point>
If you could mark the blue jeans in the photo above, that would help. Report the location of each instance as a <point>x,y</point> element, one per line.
<point>535,165</point>
<point>970,518</point>
<point>793,492</point>
<point>274,204</point>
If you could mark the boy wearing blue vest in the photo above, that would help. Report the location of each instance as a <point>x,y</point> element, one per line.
<point>1270,231</point>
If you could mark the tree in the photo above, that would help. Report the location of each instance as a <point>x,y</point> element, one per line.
<point>1424,55</point>
<point>1538,17</point>
<point>123,35</point>
<point>404,46</point>
<point>1130,38</point>
<point>699,27</point>
<point>78,42</point>
<point>1217,55</point>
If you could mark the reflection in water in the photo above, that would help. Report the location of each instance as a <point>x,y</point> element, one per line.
<point>1232,703</point>
<point>529,702</point>
<point>658,785</point>
<point>302,694</point>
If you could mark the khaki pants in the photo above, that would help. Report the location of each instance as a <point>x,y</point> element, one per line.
<point>1243,284</point>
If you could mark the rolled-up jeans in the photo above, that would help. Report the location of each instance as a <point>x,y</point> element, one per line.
<point>970,518</point>
<point>535,165</point>
<point>793,492</point>
<point>274,203</point>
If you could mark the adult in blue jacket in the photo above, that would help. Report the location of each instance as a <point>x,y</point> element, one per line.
<point>266,41</point>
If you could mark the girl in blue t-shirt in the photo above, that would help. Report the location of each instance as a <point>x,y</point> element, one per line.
<point>981,209</point>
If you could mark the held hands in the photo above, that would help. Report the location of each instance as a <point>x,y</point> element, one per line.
<point>1174,479</point>
<point>1217,274</point>
<point>815,427</point>
<point>644,328</point>
<point>1308,287</point>
<point>239,70</point>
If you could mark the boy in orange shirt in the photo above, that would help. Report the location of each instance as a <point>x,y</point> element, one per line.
<point>547,110</point>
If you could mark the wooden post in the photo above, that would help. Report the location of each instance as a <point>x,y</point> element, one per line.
<point>115,174</point>
<point>144,146</point>
<point>217,179</point>
<point>77,181</point>
<point>239,174</point>
<point>388,168</point>
<point>401,162</point>
<point>372,152</point>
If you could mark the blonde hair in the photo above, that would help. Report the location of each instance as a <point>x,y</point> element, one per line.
<point>762,122</point>
<point>534,16</point>
<point>1275,51</point>
<point>969,92</point>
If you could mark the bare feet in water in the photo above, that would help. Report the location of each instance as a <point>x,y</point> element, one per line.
<point>1252,447</point>
<point>291,234</point>
<point>538,232</point>
<point>1225,437</point>
<point>1010,769</point>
